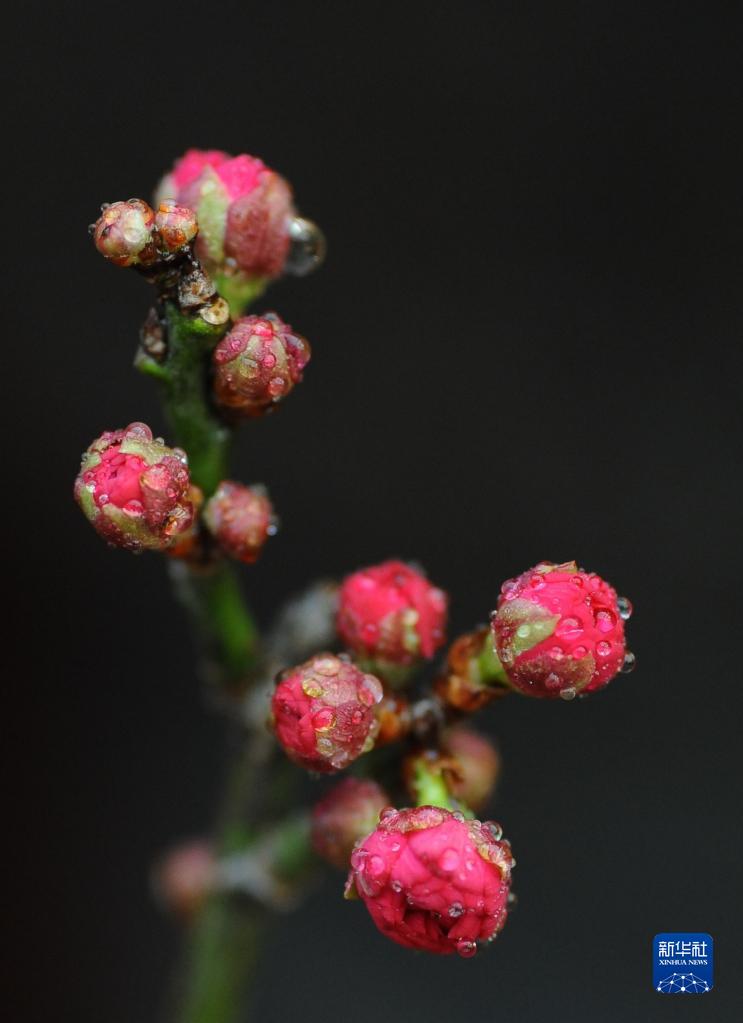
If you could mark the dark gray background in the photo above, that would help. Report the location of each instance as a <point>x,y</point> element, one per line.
<point>526,345</point>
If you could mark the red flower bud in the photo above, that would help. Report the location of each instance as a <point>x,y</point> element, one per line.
<point>135,491</point>
<point>124,233</point>
<point>474,766</point>
<point>244,210</point>
<point>257,364</point>
<point>241,519</point>
<point>433,880</point>
<point>390,613</point>
<point>348,812</point>
<point>184,877</point>
<point>176,226</point>
<point>323,713</point>
<point>559,630</point>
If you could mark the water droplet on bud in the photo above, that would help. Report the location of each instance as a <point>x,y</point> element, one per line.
<point>630,663</point>
<point>625,608</point>
<point>306,247</point>
<point>466,949</point>
<point>569,694</point>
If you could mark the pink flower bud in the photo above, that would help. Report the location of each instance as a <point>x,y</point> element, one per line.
<point>474,766</point>
<point>257,364</point>
<point>433,880</point>
<point>243,208</point>
<point>348,812</point>
<point>559,631</point>
<point>390,613</point>
<point>323,713</point>
<point>184,877</point>
<point>124,233</point>
<point>135,491</point>
<point>176,226</point>
<point>241,519</point>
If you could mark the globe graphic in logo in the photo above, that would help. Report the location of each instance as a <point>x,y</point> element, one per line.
<point>683,983</point>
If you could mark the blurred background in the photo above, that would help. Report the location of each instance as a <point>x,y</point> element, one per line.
<point>526,345</point>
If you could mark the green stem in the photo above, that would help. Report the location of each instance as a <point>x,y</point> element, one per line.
<point>223,947</point>
<point>195,424</point>
<point>211,593</point>
<point>429,786</point>
<point>228,634</point>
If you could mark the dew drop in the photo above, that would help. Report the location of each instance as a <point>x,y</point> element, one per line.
<point>396,886</point>
<point>603,649</point>
<point>375,866</point>
<point>306,247</point>
<point>449,860</point>
<point>386,812</point>
<point>323,720</point>
<point>569,694</point>
<point>625,608</point>
<point>570,628</point>
<point>630,663</point>
<point>466,949</point>
<point>456,909</point>
<point>495,829</point>
<point>605,621</point>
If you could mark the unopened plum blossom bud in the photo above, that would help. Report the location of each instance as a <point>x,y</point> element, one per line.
<point>474,766</point>
<point>323,713</point>
<point>432,880</point>
<point>246,219</point>
<point>390,614</point>
<point>559,631</point>
<point>473,675</point>
<point>124,233</point>
<point>135,491</point>
<point>257,363</point>
<point>348,812</point>
<point>184,877</point>
<point>176,226</point>
<point>241,519</point>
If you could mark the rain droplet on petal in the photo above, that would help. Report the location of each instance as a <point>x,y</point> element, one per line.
<point>306,247</point>
<point>466,949</point>
<point>630,663</point>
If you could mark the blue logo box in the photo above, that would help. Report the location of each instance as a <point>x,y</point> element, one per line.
<point>683,963</point>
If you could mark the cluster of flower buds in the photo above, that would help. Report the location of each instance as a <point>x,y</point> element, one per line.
<point>249,230</point>
<point>137,494</point>
<point>433,877</point>
<point>131,233</point>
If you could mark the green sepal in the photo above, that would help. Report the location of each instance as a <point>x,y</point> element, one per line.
<point>239,291</point>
